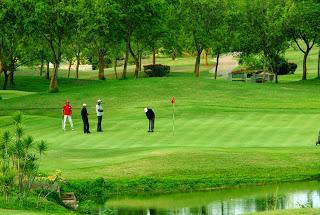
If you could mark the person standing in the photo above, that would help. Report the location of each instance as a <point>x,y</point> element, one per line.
<point>151,116</point>
<point>84,115</point>
<point>66,112</point>
<point>99,111</point>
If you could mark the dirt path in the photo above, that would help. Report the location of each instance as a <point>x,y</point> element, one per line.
<point>226,64</point>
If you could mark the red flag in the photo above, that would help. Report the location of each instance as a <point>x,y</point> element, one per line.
<point>173,100</point>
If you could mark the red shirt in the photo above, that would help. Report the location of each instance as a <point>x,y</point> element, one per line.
<point>67,110</point>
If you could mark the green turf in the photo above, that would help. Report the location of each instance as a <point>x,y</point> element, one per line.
<point>306,211</point>
<point>226,133</point>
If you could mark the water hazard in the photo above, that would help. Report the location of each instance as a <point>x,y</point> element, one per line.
<point>227,201</point>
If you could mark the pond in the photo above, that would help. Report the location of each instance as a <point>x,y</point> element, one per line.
<point>225,201</point>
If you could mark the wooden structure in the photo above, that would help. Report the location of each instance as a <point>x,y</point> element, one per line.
<point>69,199</point>
<point>237,76</point>
<point>262,77</point>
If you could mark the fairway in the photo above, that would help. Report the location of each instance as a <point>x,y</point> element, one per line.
<point>227,133</point>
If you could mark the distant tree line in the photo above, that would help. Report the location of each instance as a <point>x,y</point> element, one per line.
<point>36,32</point>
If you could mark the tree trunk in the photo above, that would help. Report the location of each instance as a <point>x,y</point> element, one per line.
<point>125,65</point>
<point>101,66</point>
<point>69,68</point>
<point>319,64</point>
<point>136,71</point>
<point>217,64</point>
<point>12,68</point>
<point>48,71</point>
<point>305,57</point>
<point>173,55</point>
<point>206,57</point>
<point>6,77</point>
<point>153,56</point>
<point>115,68</point>
<point>77,67</point>
<point>54,78</point>
<point>140,62</point>
<point>197,64</point>
<point>41,67</point>
<point>11,79</point>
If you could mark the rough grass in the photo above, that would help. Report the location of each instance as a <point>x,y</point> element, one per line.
<point>26,212</point>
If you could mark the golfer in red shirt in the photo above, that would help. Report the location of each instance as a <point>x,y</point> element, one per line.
<point>66,112</point>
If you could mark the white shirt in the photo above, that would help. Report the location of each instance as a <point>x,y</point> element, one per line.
<point>99,107</point>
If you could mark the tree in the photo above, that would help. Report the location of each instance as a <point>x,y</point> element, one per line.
<point>303,27</point>
<point>102,29</point>
<point>200,17</point>
<point>52,21</point>
<point>18,161</point>
<point>265,33</point>
<point>138,17</point>
<point>13,46</point>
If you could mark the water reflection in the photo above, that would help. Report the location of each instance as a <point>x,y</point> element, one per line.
<point>223,202</point>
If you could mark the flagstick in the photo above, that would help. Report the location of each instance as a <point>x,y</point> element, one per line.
<point>173,118</point>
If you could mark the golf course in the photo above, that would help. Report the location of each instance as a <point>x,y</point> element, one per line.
<point>226,133</point>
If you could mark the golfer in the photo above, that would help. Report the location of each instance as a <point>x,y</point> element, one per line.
<point>99,111</point>
<point>151,116</point>
<point>84,115</point>
<point>66,112</point>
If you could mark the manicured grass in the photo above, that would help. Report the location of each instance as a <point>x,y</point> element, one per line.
<point>306,211</point>
<point>227,133</point>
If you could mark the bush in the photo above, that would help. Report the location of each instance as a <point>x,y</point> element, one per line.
<point>285,67</point>
<point>157,70</point>
<point>252,62</point>
<point>292,67</point>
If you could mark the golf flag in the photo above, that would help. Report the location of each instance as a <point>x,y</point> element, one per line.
<point>173,101</point>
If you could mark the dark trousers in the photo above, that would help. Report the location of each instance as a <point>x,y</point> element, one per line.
<point>151,124</point>
<point>85,125</point>
<point>99,123</point>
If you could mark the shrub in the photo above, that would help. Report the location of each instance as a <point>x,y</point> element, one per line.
<point>157,70</point>
<point>252,62</point>
<point>292,67</point>
<point>285,67</point>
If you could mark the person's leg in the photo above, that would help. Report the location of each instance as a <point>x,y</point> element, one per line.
<point>71,123</point>
<point>84,126</point>
<point>64,121</point>
<point>149,129</point>
<point>152,125</point>
<point>99,123</point>
<point>88,130</point>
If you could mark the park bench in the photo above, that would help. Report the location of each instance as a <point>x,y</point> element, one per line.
<point>261,77</point>
<point>237,76</point>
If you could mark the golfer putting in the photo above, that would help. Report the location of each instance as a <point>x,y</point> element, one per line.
<point>151,116</point>
<point>66,114</point>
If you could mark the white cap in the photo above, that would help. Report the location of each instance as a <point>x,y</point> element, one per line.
<point>145,110</point>
<point>84,105</point>
<point>99,101</point>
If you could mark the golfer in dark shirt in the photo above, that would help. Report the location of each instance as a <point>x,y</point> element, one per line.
<point>151,116</point>
<point>84,115</point>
